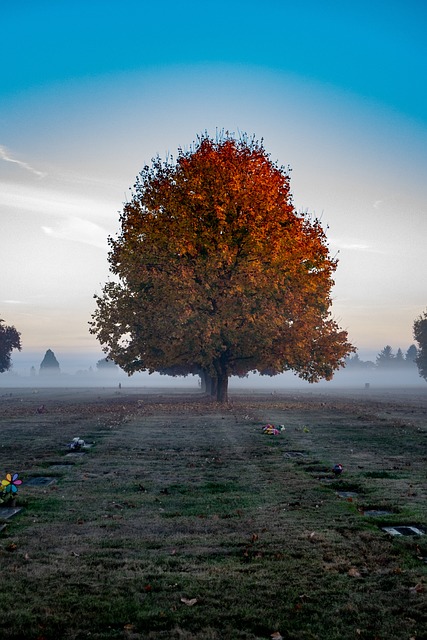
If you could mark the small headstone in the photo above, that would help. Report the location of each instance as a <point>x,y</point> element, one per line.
<point>347,494</point>
<point>8,512</point>
<point>40,481</point>
<point>377,513</point>
<point>404,530</point>
<point>75,454</point>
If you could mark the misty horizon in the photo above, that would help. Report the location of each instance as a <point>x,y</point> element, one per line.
<point>79,369</point>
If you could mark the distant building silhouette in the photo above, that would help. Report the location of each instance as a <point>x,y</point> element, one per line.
<point>49,365</point>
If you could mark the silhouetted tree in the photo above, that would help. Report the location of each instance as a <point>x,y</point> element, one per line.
<point>10,339</point>
<point>353,362</point>
<point>399,360</point>
<point>420,335</point>
<point>106,365</point>
<point>411,356</point>
<point>385,358</point>
<point>49,365</point>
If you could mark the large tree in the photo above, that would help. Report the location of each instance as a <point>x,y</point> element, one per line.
<point>215,270</point>
<point>420,335</point>
<point>10,339</point>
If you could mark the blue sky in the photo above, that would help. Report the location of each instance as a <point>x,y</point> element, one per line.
<point>91,91</point>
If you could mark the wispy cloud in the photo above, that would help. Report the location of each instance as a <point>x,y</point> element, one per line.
<point>63,215</point>
<point>53,202</point>
<point>6,156</point>
<point>78,230</point>
<point>13,302</point>
<point>353,245</point>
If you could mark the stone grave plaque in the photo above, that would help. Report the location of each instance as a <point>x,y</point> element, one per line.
<point>347,494</point>
<point>40,481</point>
<point>404,530</point>
<point>75,454</point>
<point>8,512</point>
<point>377,513</point>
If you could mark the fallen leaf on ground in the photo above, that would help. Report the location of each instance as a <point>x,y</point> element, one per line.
<point>189,602</point>
<point>276,636</point>
<point>353,572</point>
<point>419,588</point>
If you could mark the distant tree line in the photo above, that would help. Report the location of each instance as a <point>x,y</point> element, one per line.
<point>387,360</point>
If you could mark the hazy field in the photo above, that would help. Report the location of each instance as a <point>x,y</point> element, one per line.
<point>185,521</point>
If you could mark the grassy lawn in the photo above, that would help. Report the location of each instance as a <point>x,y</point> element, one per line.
<point>185,521</point>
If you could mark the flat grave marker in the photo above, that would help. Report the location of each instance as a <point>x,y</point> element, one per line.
<point>9,512</point>
<point>347,494</point>
<point>404,530</point>
<point>40,481</point>
<point>376,513</point>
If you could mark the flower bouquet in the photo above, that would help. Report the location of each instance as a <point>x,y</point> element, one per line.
<point>9,489</point>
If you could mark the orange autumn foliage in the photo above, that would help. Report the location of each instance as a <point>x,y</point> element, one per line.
<point>217,272</point>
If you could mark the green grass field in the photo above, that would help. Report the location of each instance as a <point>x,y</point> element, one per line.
<point>185,521</point>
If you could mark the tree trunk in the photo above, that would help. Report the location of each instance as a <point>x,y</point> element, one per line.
<point>213,386</point>
<point>208,383</point>
<point>203,381</point>
<point>222,388</point>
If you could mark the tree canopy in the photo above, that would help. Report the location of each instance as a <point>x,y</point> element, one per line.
<point>216,271</point>
<point>420,335</point>
<point>10,339</point>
